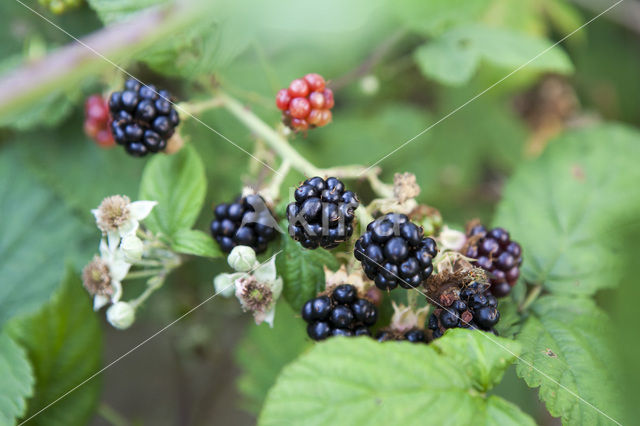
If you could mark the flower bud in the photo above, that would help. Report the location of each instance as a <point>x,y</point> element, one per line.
<point>242,258</point>
<point>450,239</point>
<point>121,315</point>
<point>132,247</point>
<point>224,284</point>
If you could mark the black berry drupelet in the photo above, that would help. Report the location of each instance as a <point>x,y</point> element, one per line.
<point>143,118</point>
<point>498,255</point>
<point>342,313</point>
<point>415,335</point>
<point>245,222</point>
<point>476,308</point>
<point>394,251</point>
<point>323,213</point>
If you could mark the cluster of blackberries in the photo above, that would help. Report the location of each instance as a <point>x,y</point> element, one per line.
<point>415,335</point>
<point>340,314</point>
<point>245,222</point>
<point>322,214</point>
<point>97,120</point>
<point>394,251</point>
<point>498,255</point>
<point>306,103</point>
<point>143,118</point>
<point>475,308</point>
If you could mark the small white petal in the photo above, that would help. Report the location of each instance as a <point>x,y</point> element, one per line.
<point>276,288</point>
<point>267,317</point>
<point>240,284</point>
<point>132,247</point>
<point>113,240</point>
<point>141,209</point>
<point>117,293</point>
<point>105,253</point>
<point>118,269</point>
<point>266,273</point>
<point>99,301</point>
<point>96,213</point>
<point>129,227</point>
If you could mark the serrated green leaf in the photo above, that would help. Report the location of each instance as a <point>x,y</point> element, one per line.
<point>483,356</point>
<point>361,381</point>
<point>64,344</point>
<point>434,16</point>
<point>573,198</point>
<point>37,234</point>
<point>17,380</point>
<point>453,57</point>
<point>302,271</point>
<point>567,354</point>
<point>177,182</point>
<point>196,243</point>
<point>277,347</point>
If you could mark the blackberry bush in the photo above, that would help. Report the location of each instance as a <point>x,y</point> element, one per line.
<point>322,214</point>
<point>475,308</point>
<point>342,313</point>
<point>306,103</point>
<point>497,254</point>
<point>394,251</point>
<point>246,222</point>
<point>143,118</point>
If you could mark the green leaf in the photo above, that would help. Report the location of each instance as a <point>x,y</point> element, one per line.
<point>64,343</point>
<point>453,57</point>
<point>450,65</point>
<point>17,380</point>
<point>196,243</point>
<point>573,202</point>
<point>177,182</point>
<point>277,346</point>
<point>567,354</point>
<point>47,112</point>
<point>432,17</point>
<point>111,11</point>
<point>359,380</point>
<point>302,271</point>
<point>37,234</point>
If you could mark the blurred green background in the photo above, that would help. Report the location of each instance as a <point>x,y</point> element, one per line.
<point>397,67</point>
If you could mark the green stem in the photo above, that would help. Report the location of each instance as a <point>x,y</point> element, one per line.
<point>531,297</point>
<point>143,274</point>
<point>111,415</point>
<point>282,147</point>
<point>189,109</point>
<point>152,285</point>
<point>412,299</point>
<point>270,136</point>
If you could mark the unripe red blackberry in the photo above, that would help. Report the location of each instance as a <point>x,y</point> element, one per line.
<point>497,254</point>
<point>306,103</point>
<point>97,121</point>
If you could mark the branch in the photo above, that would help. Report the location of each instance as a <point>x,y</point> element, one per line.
<point>63,68</point>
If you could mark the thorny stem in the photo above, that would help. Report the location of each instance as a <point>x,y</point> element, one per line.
<point>531,297</point>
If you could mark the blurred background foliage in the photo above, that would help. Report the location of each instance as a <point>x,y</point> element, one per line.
<point>397,67</point>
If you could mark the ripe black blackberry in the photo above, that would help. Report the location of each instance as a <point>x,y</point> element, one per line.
<point>394,251</point>
<point>322,214</point>
<point>342,313</point>
<point>475,308</point>
<point>245,222</point>
<point>497,254</point>
<point>415,335</point>
<point>143,118</point>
